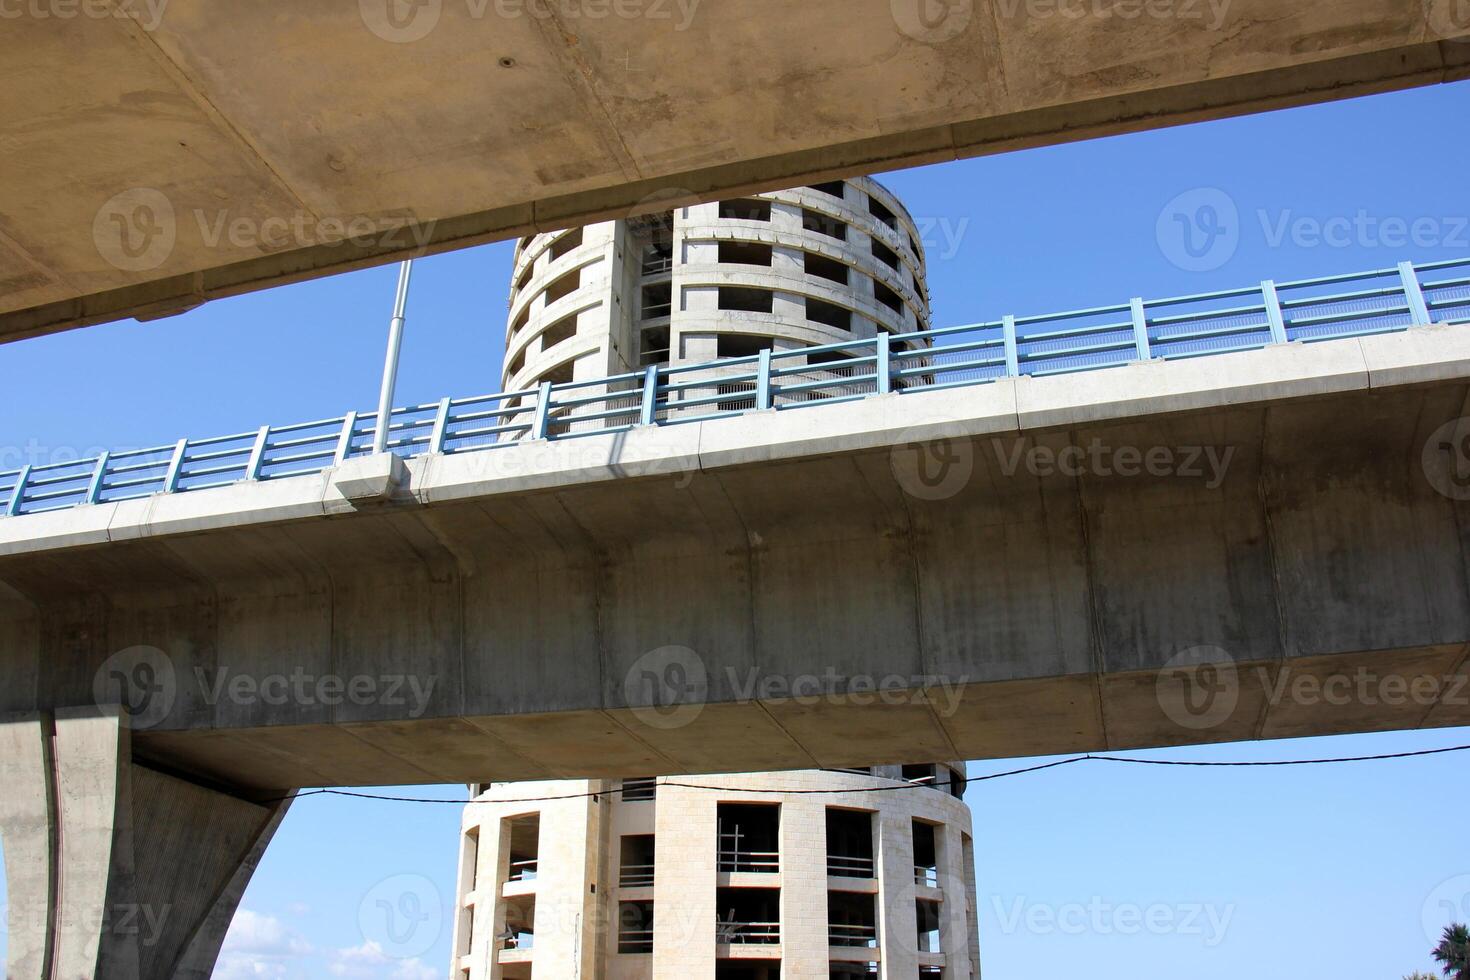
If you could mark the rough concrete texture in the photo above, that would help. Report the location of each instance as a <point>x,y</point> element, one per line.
<point>230,146</point>
<point>116,870</point>
<point>532,611</point>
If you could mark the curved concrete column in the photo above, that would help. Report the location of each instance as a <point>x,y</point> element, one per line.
<point>117,871</point>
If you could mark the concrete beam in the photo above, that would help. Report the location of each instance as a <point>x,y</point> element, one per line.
<point>1032,566</point>
<point>213,178</point>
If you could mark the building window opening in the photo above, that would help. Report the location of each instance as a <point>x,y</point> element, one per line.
<point>658,301</point>
<point>564,286</point>
<point>748,970</point>
<point>563,329</point>
<point>521,320</point>
<point>635,927</point>
<point>745,253</point>
<point>561,374</point>
<point>565,243</point>
<point>749,837</point>
<point>828,314</point>
<point>849,843</point>
<point>882,212</point>
<point>658,244</point>
<point>520,923</point>
<point>822,224</point>
<point>927,913</point>
<point>833,188</point>
<point>525,847</point>
<point>885,255</point>
<point>748,917</point>
<point>887,297</point>
<point>654,346</point>
<point>636,861</point>
<point>744,298</point>
<point>920,774</point>
<point>642,789</point>
<point>955,784</point>
<point>525,277</point>
<point>926,855</point>
<point>852,920</point>
<point>747,209</point>
<point>937,972</point>
<point>825,268</point>
<point>914,246</point>
<point>852,971</point>
<point>516,363</point>
<point>741,345</point>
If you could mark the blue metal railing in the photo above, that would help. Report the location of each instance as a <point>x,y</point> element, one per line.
<point>1380,301</point>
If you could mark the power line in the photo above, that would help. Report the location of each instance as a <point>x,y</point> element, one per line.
<point>1127,760</point>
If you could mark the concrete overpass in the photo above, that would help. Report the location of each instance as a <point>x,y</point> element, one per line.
<point>1256,543</point>
<point>203,148</point>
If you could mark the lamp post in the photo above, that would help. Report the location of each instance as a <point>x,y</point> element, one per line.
<point>390,362</point>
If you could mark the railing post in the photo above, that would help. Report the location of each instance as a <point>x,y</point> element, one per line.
<point>1273,311</point>
<point>648,411</point>
<point>763,380</point>
<point>543,411</point>
<point>344,441</point>
<point>18,495</point>
<point>175,467</point>
<point>94,490</point>
<point>884,363</point>
<point>1140,328</point>
<point>441,428</point>
<point>257,454</point>
<point>1013,359</point>
<point>1418,308</point>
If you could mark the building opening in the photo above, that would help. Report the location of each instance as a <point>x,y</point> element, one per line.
<point>849,843</point>
<point>748,917</point>
<point>749,837</point>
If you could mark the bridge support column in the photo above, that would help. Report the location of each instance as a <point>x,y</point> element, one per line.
<point>115,871</point>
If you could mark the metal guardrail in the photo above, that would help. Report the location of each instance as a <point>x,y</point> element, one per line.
<point>849,866</point>
<point>1380,301</point>
<point>840,934</point>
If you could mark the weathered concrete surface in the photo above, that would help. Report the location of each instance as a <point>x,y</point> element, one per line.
<point>510,614</point>
<point>237,133</point>
<point>116,870</point>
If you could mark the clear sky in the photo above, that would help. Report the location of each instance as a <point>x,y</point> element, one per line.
<point>1097,870</point>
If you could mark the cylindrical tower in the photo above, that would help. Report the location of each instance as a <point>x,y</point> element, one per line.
<point>806,267</point>
<point>805,875</point>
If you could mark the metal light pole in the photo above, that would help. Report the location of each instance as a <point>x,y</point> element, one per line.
<point>390,363</point>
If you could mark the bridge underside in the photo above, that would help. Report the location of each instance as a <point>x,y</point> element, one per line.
<point>205,148</point>
<point>724,595</point>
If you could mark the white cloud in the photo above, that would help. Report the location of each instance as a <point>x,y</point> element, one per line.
<point>258,947</point>
<point>369,962</point>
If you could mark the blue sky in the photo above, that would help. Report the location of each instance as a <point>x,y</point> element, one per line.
<point>1298,872</point>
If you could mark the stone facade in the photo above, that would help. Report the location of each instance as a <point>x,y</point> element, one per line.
<point>807,875</point>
